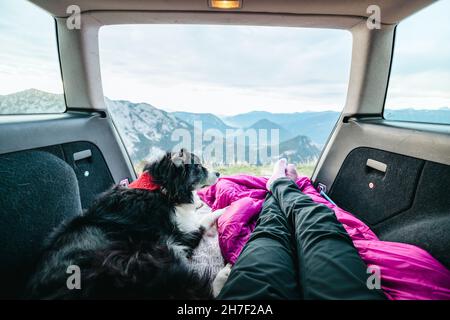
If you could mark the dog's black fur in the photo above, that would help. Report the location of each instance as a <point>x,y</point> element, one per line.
<point>124,244</point>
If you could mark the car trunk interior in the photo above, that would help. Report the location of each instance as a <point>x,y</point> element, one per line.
<point>394,176</point>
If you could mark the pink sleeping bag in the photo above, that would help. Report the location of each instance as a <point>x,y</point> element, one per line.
<point>407,271</point>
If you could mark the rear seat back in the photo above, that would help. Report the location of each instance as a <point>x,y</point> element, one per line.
<point>37,192</point>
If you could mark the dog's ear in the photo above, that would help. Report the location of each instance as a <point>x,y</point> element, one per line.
<point>180,158</point>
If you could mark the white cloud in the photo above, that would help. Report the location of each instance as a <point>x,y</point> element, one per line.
<point>422,90</point>
<point>226,70</point>
<point>420,76</point>
<point>28,55</point>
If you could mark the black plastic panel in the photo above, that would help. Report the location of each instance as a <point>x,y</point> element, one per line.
<point>427,223</point>
<point>410,203</point>
<point>92,173</point>
<point>372,195</point>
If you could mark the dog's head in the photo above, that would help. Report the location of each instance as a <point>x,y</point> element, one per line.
<point>180,173</point>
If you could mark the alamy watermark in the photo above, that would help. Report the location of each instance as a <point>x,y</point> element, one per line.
<point>374,280</point>
<point>74,280</point>
<point>374,18</point>
<point>250,146</point>
<point>73,21</point>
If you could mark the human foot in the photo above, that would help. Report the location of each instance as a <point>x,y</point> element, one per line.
<point>291,172</point>
<point>279,171</point>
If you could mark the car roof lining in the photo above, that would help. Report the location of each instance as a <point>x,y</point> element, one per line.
<point>392,11</point>
<point>103,18</point>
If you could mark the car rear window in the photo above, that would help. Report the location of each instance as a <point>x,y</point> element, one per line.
<point>239,96</point>
<point>30,77</point>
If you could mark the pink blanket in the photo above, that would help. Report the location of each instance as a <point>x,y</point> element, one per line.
<point>407,271</point>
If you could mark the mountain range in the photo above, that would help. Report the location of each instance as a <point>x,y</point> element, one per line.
<point>32,101</point>
<point>441,115</point>
<point>316,125</point>
<point>208,120</point>
<point>147,130</point>
<point>144,129</point>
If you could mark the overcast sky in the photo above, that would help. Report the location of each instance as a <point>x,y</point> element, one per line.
<point>226,69</point>
<point>229,70</point>
<point>28,52</point>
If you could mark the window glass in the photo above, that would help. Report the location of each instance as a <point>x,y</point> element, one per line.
<point>241,96</point>
<point>419,86</point>
<point>30,77</point>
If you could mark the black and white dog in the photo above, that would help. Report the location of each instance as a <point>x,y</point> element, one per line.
<point>135,242</point>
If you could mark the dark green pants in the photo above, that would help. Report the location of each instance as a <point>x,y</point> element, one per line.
<point>298,250</point>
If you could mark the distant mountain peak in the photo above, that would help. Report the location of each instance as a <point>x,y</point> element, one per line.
<point>32,91</point>
<point>34,100</point>
<point>265,124</point>
<point>299,149</point>
<point>207,120</point>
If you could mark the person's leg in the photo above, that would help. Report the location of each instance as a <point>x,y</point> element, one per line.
<point>266,267</point>
<point>329,265</point>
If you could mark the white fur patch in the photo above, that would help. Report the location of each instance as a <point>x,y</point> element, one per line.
<point>186,218</point>
<point>220,280</point>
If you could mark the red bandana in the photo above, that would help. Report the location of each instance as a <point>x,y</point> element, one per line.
<point>145,181</point>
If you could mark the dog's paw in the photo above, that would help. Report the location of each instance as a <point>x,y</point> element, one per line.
<point>220,279</point>
<point>212,232</point>
<point>209,220</point>
<point>198,203</point>
<point>219,212</point>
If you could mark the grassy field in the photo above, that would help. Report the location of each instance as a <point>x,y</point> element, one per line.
<point>265,170</point>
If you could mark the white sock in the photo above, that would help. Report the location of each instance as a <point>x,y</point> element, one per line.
<point>279,171</point>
